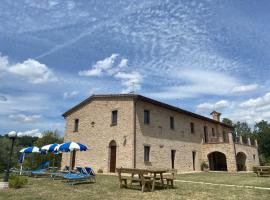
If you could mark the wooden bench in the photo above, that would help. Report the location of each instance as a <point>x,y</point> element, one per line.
<point>262,170</point>
<point>170,177</point>
<point>137,175</point>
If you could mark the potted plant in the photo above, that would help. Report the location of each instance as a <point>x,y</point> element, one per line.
<point>204,166</point>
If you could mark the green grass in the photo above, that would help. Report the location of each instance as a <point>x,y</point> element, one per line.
<point>107,188</point>
<point>247,179</point>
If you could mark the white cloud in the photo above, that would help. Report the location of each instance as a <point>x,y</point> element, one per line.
<point>68,95</point>
<point>131,81</point>
<point>123,63</point>
<point>3,98</point>
<point>245,88</point>
<point>32,133</point>
<point>257,102</point>
<point>196,82</point>
<point>101,67</point>
<point>25,118</point>
<point>31,70</point>
<point>215,106</point>
<point>110,66</point>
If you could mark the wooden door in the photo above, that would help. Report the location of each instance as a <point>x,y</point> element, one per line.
<point>113,159</point>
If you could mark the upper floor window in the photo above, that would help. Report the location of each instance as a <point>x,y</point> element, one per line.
<point>146,153</point>
<point>192,130</point>
<point>224,136</point>
<point>172,122</point>
<point>205,130</point>
<point>114,117</point>
<point>213,132</point>
<point>76,125</point>
<point>146,116</point>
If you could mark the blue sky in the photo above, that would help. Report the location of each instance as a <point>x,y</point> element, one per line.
<point>198,55</point>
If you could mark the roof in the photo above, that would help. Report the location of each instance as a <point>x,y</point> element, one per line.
<point>145,99</point>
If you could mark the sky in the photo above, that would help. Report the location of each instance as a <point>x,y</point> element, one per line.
<point>198,55</point>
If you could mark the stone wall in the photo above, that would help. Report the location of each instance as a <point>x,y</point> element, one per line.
<point>162,139</point>
<point>96,131</point>
<point>251,152</point>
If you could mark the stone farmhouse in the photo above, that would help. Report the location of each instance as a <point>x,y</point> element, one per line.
<point>130,130</point>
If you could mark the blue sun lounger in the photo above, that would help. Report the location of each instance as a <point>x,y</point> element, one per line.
<point>75,178</point>
<point>42,172</point>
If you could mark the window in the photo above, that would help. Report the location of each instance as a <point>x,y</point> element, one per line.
<point>146,153</point>
<point>193,160</point>
<point>254,157</point>
<point>224,136</point>
<point>114,117</point>
<point>172,122</point>
<point>76,125</point>
<point>146,116</point>
<point>192,127</point>
<point>173,157</point>
<point>213,132</point>
<point>205,134</point>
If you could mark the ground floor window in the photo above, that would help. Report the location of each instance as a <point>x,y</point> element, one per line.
<point>193,160</point>
<point>146,153</point>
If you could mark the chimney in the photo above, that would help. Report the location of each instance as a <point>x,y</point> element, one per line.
<point>215,115</point>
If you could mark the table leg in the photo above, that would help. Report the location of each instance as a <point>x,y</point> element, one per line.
<point>162,180</point>
<point>154,181</point>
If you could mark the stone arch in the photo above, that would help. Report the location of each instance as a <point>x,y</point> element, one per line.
<point>112,156</point>
<point>241,161</point>
<point>217,161</point>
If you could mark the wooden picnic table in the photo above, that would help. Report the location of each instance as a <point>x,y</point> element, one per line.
<point>143,177</point>
<point>262,170</point>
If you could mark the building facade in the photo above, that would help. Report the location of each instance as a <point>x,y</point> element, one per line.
<point>128,130</point>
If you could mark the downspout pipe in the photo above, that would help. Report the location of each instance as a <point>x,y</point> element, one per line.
<point>134,130</point>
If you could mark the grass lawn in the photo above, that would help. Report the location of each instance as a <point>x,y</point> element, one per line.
<point>247,179</point>
<point>107,188</point>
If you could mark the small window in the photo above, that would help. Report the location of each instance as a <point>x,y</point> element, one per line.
<point>254,157</point>
<point>193,160</point>
<point>172,123</point>
<point>114,117</point>
<point>192,130</point>
<point>224,136</point>
<point>146,116</point>
<point>205,129</point>
<point>146,153</point>
<point>76,125</point>
<point>213,132</point>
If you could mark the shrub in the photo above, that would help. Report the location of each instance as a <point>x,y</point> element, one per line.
<point>100,171</point>
<point>17,181</point>
<point>204,166</point>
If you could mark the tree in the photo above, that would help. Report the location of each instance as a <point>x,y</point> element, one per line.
<point>262,133</point>
<point>5,145</point>
<point>49,137</point>
<point>242,128</point>
<point>227,121</point>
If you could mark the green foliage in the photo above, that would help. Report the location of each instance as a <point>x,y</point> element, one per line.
<point>33,161</point>
<point>262,133</point>
<point>204,166</point>
<point>242,128</point>
<point>5,146</point>
<point>227,121</point>
<point>17,182</point>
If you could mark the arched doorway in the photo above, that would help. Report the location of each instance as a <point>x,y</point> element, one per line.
<point>112,147</point>
<point>241,161</point>
<point>217,161</point>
